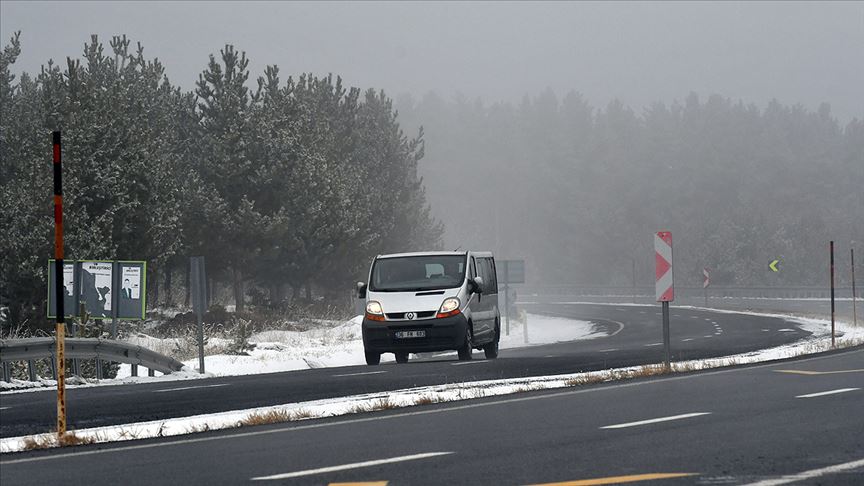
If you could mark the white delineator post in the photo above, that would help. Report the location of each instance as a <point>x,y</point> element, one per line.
<point>664,288</point>
<point>705,283</point>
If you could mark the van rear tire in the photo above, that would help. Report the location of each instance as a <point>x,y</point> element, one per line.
<point>373,358</point>
<point>491,349</point>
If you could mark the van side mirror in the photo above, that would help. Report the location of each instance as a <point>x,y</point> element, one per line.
<point>361,290</point>
<point>478,285</point>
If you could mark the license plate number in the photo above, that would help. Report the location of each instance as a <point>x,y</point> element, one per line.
<point>410,334</point>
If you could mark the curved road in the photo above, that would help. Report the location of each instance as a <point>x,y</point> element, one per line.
<point>633,338</point>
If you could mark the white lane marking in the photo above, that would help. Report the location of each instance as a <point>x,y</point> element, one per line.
<point>620,309</point>
<point>469,362</point>
<point>765,330</point>
<point>830,392</point>
<point>416,413</point>
<point>653,344</point>
<point>360,374</point>
<point>709,320</point>
<point>685,340</point>
<point>608,350</point>
<point>656,420</point>
<point>551,356</point>
<point>676,315</point>
<point>813,473</point>
<point>695,317</point>
<point>641,312</point>
<point>188,388</point>
<point>356,465</point>
<point>708,336</point>
<point>5,408</point>
<point>785,330</point>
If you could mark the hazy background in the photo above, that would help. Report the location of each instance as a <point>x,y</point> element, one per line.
<point>564,134</point>
<point>637,52</point>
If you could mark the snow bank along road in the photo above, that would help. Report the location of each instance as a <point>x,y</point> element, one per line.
<point>797,421</point>
<point>632,336</point>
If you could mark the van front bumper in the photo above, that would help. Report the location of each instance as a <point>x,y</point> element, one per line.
<point>447,333</point>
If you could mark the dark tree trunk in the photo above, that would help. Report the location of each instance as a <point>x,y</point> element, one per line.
<point>308,291</point>
<point>168,300</point>
<point>238,291</point>
<point>187,284</point>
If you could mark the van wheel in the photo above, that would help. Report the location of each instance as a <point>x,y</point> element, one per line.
<point>465,351</point>
<point>401,357</point>
<point>491,349</point>
<point>373,358</point>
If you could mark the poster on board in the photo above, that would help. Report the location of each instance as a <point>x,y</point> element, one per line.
<point>96,288</point>
<point>133,290</point>
<point>70,303</point>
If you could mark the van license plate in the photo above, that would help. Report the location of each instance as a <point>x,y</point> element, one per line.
<point>410,334</point>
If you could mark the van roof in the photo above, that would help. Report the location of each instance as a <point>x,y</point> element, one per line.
<point>430,253</point>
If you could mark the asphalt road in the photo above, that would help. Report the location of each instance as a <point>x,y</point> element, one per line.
<point>798,421</point>
<point>633,337</point>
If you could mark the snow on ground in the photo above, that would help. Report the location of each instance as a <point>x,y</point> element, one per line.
<point>820,341</point>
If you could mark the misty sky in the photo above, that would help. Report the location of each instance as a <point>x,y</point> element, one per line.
<point>637,52</point>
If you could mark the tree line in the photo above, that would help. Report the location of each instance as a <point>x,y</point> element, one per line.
<point>578,190</point>
<point>287,187</point>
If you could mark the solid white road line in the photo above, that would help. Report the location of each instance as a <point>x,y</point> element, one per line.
<point>188,388</point>
<point>608,350</point>
<point>356,465</point>
<point>361,374</point>
<point>813,473</point>
<point>830,392</point>
<point>5,408</point>
<point>656,420</point>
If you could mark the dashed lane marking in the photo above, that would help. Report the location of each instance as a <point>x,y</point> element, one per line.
<point>367,483</point>
<point>469,362</point>
<point>189,388</point>
<point>608,350</point>
<point>360,374</point>
<point>829,392</point>
<point>653,344</point>
<point>685,340</point>
<point>355,465</point>
<point>813,473</point>
<point>708,336</point>
<point>806,372</point>
<point>655,420</point>
<point>619,479</point>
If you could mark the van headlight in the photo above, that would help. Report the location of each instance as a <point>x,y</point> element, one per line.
<point>450,307</point>
<point>374,311</point>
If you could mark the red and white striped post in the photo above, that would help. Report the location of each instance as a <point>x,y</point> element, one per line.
<point>59,296</point>
<point>664,287</point>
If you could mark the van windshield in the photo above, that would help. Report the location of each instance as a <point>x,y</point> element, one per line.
<point>414,273</point>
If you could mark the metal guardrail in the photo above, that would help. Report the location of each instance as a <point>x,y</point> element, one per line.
<point>801,292</point>
<point>31,349</point>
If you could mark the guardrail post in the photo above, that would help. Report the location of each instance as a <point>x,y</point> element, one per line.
<point>31,369</point>
<point>134,370</point>
<point>7,376</point>
<point>98,368</point>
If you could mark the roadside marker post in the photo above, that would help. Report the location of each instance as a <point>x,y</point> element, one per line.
<point>199,303</point>
<point>664,285</point>
<point>831,249</point>
<point>854,294</point>
<point>58,288</point>
<point>705,283</point>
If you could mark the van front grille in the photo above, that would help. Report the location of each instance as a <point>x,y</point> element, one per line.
<point>398,316</point>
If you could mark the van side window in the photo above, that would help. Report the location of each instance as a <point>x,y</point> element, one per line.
<point>472,270</point>
<point>493,276</point>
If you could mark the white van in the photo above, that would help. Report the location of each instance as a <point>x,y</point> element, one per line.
<point>431,301</point>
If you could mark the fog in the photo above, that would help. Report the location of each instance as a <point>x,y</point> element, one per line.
<point>564,134</point>
<point>639,53</point>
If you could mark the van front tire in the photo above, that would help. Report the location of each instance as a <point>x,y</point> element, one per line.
<point>373,358</point>
<point>465,351</point>
<point>401,356</point>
